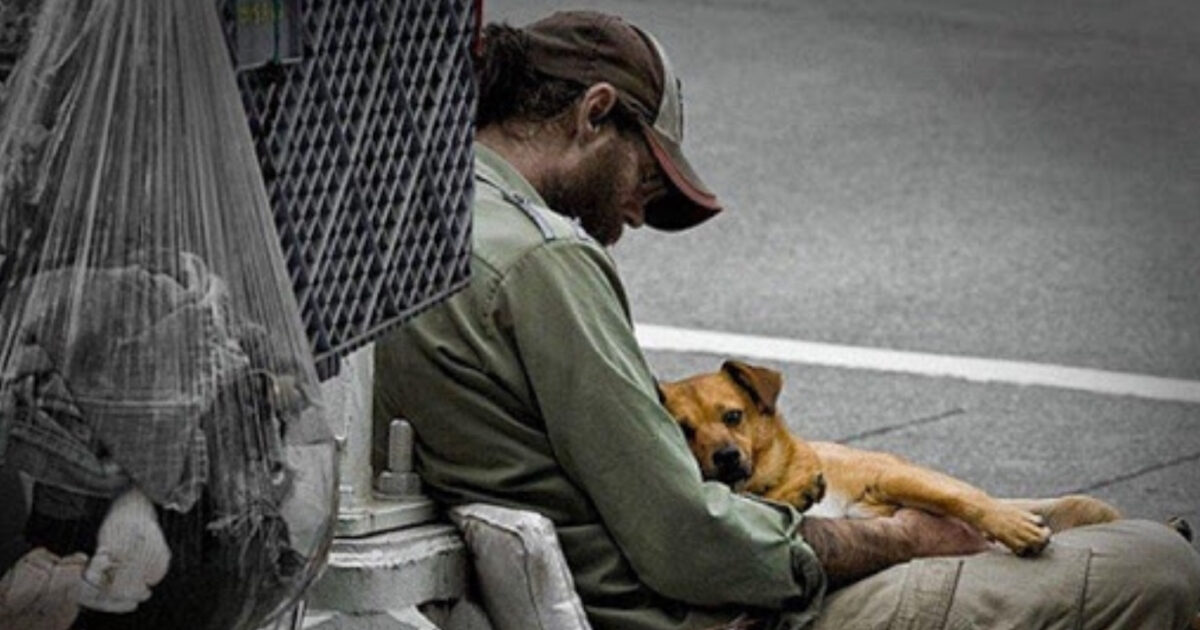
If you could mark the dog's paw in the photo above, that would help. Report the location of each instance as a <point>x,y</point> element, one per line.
<point>1025,533</point>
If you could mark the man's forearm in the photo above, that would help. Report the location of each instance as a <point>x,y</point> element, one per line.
<point>850,549</point>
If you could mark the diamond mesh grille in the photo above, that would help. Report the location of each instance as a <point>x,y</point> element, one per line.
<point>365,147</point>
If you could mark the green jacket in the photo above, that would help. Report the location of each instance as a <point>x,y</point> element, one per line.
<point>528,390</point>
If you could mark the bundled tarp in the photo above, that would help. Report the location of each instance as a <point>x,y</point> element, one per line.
<point>162,441</point>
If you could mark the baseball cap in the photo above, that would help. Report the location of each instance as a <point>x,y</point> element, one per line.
<point>590,47</point>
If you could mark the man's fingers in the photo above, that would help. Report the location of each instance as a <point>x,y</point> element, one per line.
<point>41,577</point>
<point>25,581</point>
<point>66,576</point>
<point>40,591</point>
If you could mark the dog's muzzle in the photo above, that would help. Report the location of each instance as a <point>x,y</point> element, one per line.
<point>729,467</point>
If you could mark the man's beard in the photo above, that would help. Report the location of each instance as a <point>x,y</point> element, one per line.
<point>590,195</point>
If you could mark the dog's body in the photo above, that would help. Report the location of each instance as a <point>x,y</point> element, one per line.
<point>733,429</point>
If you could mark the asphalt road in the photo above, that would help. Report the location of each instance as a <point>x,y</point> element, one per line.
<point>1016,180</point>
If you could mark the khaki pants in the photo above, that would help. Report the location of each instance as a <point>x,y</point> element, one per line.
<point>1119,576</point>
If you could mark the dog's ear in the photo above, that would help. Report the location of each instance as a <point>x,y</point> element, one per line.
<point>763,384</point>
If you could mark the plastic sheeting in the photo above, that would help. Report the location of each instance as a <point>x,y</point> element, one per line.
<point>164,458</point>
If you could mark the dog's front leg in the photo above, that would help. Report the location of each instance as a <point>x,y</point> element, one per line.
<point>890,479</point>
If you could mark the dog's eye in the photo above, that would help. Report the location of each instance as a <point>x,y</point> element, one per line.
<point>688,432</point>
<point>732,418</point>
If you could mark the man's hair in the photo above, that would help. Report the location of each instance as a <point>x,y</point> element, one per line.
<point>510,89</point>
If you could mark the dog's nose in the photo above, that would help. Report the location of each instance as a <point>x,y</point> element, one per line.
<point>726,457</point>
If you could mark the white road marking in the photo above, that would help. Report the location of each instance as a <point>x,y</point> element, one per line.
<point>654,337</point>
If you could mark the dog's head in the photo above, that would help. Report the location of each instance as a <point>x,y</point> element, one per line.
<point>731,422</point>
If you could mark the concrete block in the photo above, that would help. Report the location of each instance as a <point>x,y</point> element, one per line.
<point>392,571</point>
<point>403,619</point>
<point>372,515</point>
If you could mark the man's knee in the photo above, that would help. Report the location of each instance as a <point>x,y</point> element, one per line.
<point>1170,565</point>
<point>1142,567</point>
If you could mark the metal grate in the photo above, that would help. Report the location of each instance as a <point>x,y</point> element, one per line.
<point>365,146</point>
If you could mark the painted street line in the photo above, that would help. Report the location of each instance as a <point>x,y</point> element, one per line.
<point>653,337</point>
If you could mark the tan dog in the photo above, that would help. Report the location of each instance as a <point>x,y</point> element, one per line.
<point>734,430</point>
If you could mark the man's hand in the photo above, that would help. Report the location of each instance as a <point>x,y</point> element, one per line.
<point>39,591</point>
<point>850,549</point>
<point>131,556</point>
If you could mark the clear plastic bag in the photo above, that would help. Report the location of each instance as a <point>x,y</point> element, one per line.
<point>160,417</point>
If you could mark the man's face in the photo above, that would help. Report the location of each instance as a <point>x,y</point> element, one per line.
<point>610,187</point>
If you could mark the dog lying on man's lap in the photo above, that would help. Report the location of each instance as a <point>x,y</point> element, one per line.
<point>734,429</point>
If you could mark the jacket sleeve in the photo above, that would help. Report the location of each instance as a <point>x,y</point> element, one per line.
<point>689,540</point>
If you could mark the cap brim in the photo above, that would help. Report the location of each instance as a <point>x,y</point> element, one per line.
<point>689,202</point>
